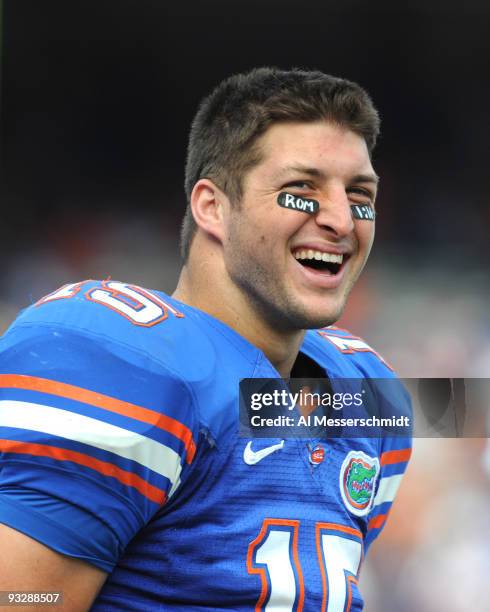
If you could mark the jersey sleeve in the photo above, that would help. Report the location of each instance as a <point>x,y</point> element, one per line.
<point>393,400</point>
<point>394,460</point>
<point>94,439</point>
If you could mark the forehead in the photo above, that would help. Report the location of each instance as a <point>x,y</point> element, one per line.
<point>326,146</point>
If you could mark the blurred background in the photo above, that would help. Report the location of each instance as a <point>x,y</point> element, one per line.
<point>96,102</point>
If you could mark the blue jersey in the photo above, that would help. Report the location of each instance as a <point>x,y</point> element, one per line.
<point>120,446</point>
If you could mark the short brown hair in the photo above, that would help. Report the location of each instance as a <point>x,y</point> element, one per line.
<point>242,107</point>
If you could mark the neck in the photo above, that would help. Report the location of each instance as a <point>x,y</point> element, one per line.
<point>202,287</point>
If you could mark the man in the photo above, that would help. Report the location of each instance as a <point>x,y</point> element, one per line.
<point>125,483</point>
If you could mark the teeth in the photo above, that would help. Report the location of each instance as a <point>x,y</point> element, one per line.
<point>319,256</point>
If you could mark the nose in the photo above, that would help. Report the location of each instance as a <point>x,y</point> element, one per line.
<point>335,213</point>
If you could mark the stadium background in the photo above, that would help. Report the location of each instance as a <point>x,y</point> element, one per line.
<point>96,100</point>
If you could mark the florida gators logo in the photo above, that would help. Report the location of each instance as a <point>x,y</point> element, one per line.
<point>358,481</point>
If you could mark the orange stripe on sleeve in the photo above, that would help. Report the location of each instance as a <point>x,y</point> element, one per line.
<point>396,456</point>
<point>103,467</point>
<point>377,521</point>
<point>145,415</point>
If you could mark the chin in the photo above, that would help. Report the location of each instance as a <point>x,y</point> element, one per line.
<point>319,322</point>
<point>318,318</point>
<point>323,315</point>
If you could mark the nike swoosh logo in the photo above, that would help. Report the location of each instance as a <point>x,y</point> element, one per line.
<point>252,457</point>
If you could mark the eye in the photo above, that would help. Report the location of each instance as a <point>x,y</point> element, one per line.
<point>297,185</point>
<point>367,197</point>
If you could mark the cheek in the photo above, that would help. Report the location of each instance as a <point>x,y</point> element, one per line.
<point>270,226</point>
<point>365,236</point>
<point>288,223</point>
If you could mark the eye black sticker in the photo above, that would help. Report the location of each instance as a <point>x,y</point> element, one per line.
<point>363,211</point>
<point>288,200</point>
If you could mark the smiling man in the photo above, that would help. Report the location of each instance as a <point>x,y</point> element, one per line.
<point>271,262</point>
<point>124,481</point>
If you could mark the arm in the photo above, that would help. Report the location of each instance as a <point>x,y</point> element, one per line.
<point>96,433</point>
<point>27,565</point>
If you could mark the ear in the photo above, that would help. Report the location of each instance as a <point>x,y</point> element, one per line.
<point>207,201</point>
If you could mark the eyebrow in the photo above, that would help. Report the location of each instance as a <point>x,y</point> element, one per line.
<point>315,172</point>
<point>366,178</point>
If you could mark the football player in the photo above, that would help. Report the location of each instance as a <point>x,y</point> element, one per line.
<point>125,482</point>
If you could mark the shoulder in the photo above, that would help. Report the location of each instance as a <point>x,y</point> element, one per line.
<point>345,354</point>
<point>146,328</point>
<point>120,341</point>
<point>133,345</point>
<point>95,346</point>
<point>95,404</point>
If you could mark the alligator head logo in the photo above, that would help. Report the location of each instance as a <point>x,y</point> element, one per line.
<point>357,481</point>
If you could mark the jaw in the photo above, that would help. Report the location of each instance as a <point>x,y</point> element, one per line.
<point>321,294</point>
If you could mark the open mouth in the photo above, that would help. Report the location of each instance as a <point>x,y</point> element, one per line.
<point>327,263</point>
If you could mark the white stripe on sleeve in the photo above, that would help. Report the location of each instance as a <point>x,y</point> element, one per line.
<point>387,489</point>
<point>79,428</point>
